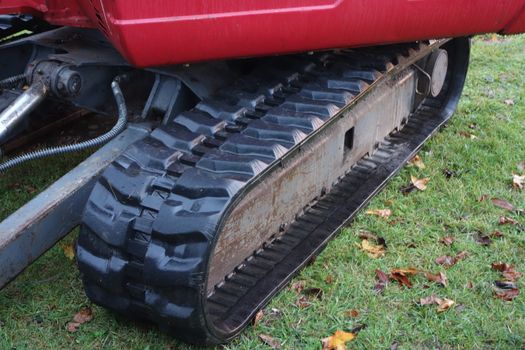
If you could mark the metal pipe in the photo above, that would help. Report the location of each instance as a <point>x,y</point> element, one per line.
<point>100,140</point>
<point>20,108</point>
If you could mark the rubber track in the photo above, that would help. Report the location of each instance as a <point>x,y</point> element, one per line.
<point>152,216</point>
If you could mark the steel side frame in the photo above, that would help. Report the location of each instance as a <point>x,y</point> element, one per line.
<point>42,222</point>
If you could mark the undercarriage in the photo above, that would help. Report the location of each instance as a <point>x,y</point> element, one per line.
<point>236,173</point>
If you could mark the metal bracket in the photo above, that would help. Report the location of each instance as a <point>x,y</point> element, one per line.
<point>38,225</point>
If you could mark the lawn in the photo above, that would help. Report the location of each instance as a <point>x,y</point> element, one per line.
<point>472,158</point>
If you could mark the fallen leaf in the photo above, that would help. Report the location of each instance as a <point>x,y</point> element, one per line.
<point>509,102</point>
<point>258,317</point>
<point>372,250</point>
<point>445,304</point>
<point>69,250</point>
<point>501,203</point>
<point>517,181</point>
<point>30,189</point>
<point>382,281</point>
<point>432,299</point>
<point>496,234</point>
<point>401,276</point>
<point>368,235</point>
<point>83,316</point>
<point>468,135</point>
<point>483,198</point>
<point>447,240</point>
<point>420,184</point>
<point>461,255</point>
<point>503,220</point>
<point>445,260</point>
<point>329,279</point>
<point>508,271</point>
<point>417,162</point>
<point>505,290</point>
<point>72,327</point>
<point>352,313</point>
<point>394,346</point>
<point>449,261</point>
<point>338,340</point>
<point>439,278</point>
<point>469,285</point>
<point>482,239</point>
<point>384,213</point>
<point>298,286</point>
<point>270,341</point>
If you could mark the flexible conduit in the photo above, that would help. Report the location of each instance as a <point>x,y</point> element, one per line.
<point>100,140</point>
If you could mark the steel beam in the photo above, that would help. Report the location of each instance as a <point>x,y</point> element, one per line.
<point>38,225</point>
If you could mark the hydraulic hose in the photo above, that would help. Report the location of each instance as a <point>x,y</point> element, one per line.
<point>100,140</point>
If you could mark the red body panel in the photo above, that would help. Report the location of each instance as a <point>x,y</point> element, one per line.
<point>158,32</point>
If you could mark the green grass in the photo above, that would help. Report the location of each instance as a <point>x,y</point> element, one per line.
<point>36,307</point>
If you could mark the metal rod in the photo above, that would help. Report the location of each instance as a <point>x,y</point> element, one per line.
<point>20,108</point>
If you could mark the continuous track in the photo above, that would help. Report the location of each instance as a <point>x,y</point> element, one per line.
<point>153,218</point>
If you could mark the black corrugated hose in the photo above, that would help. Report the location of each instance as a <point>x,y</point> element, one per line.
<point>100,140</point>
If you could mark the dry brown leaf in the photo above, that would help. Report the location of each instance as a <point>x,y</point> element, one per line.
<point>338,340</point>
<point>505,290</point>
<point>518,181</point>
<point>445,260</point>
<point>383,213</point>
<point>501,203</point>
<point>482,239</point>
<point>83,316</point>
<point>468,135</point>
<point>449,261</point>
<point>372,250</point>
<point>508,271</point>
<point>30,189</point>
<point>439,278</point>
<point>432,299</point>
<point>470,285</point>
<point>401,276</point>
<point>461,255</point>
<point>497,234</point>
<point>418,162</point>
<point>420,184</point>
<point>368,235</point>
<point>504,220</point>
<point>448,240</point>
<point>483,198</point>
<point>298,286</point>
<point>507,294</point>
<point>445,304</point>
<point>258,317</point>
<point>270,341</point>
<point>72,327</point>
<point>69,250</point>
<point>382,281</point>
<point>329,279</point>
<point>352,313</point>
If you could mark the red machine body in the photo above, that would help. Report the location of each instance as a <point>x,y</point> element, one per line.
<point>160,32</point>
